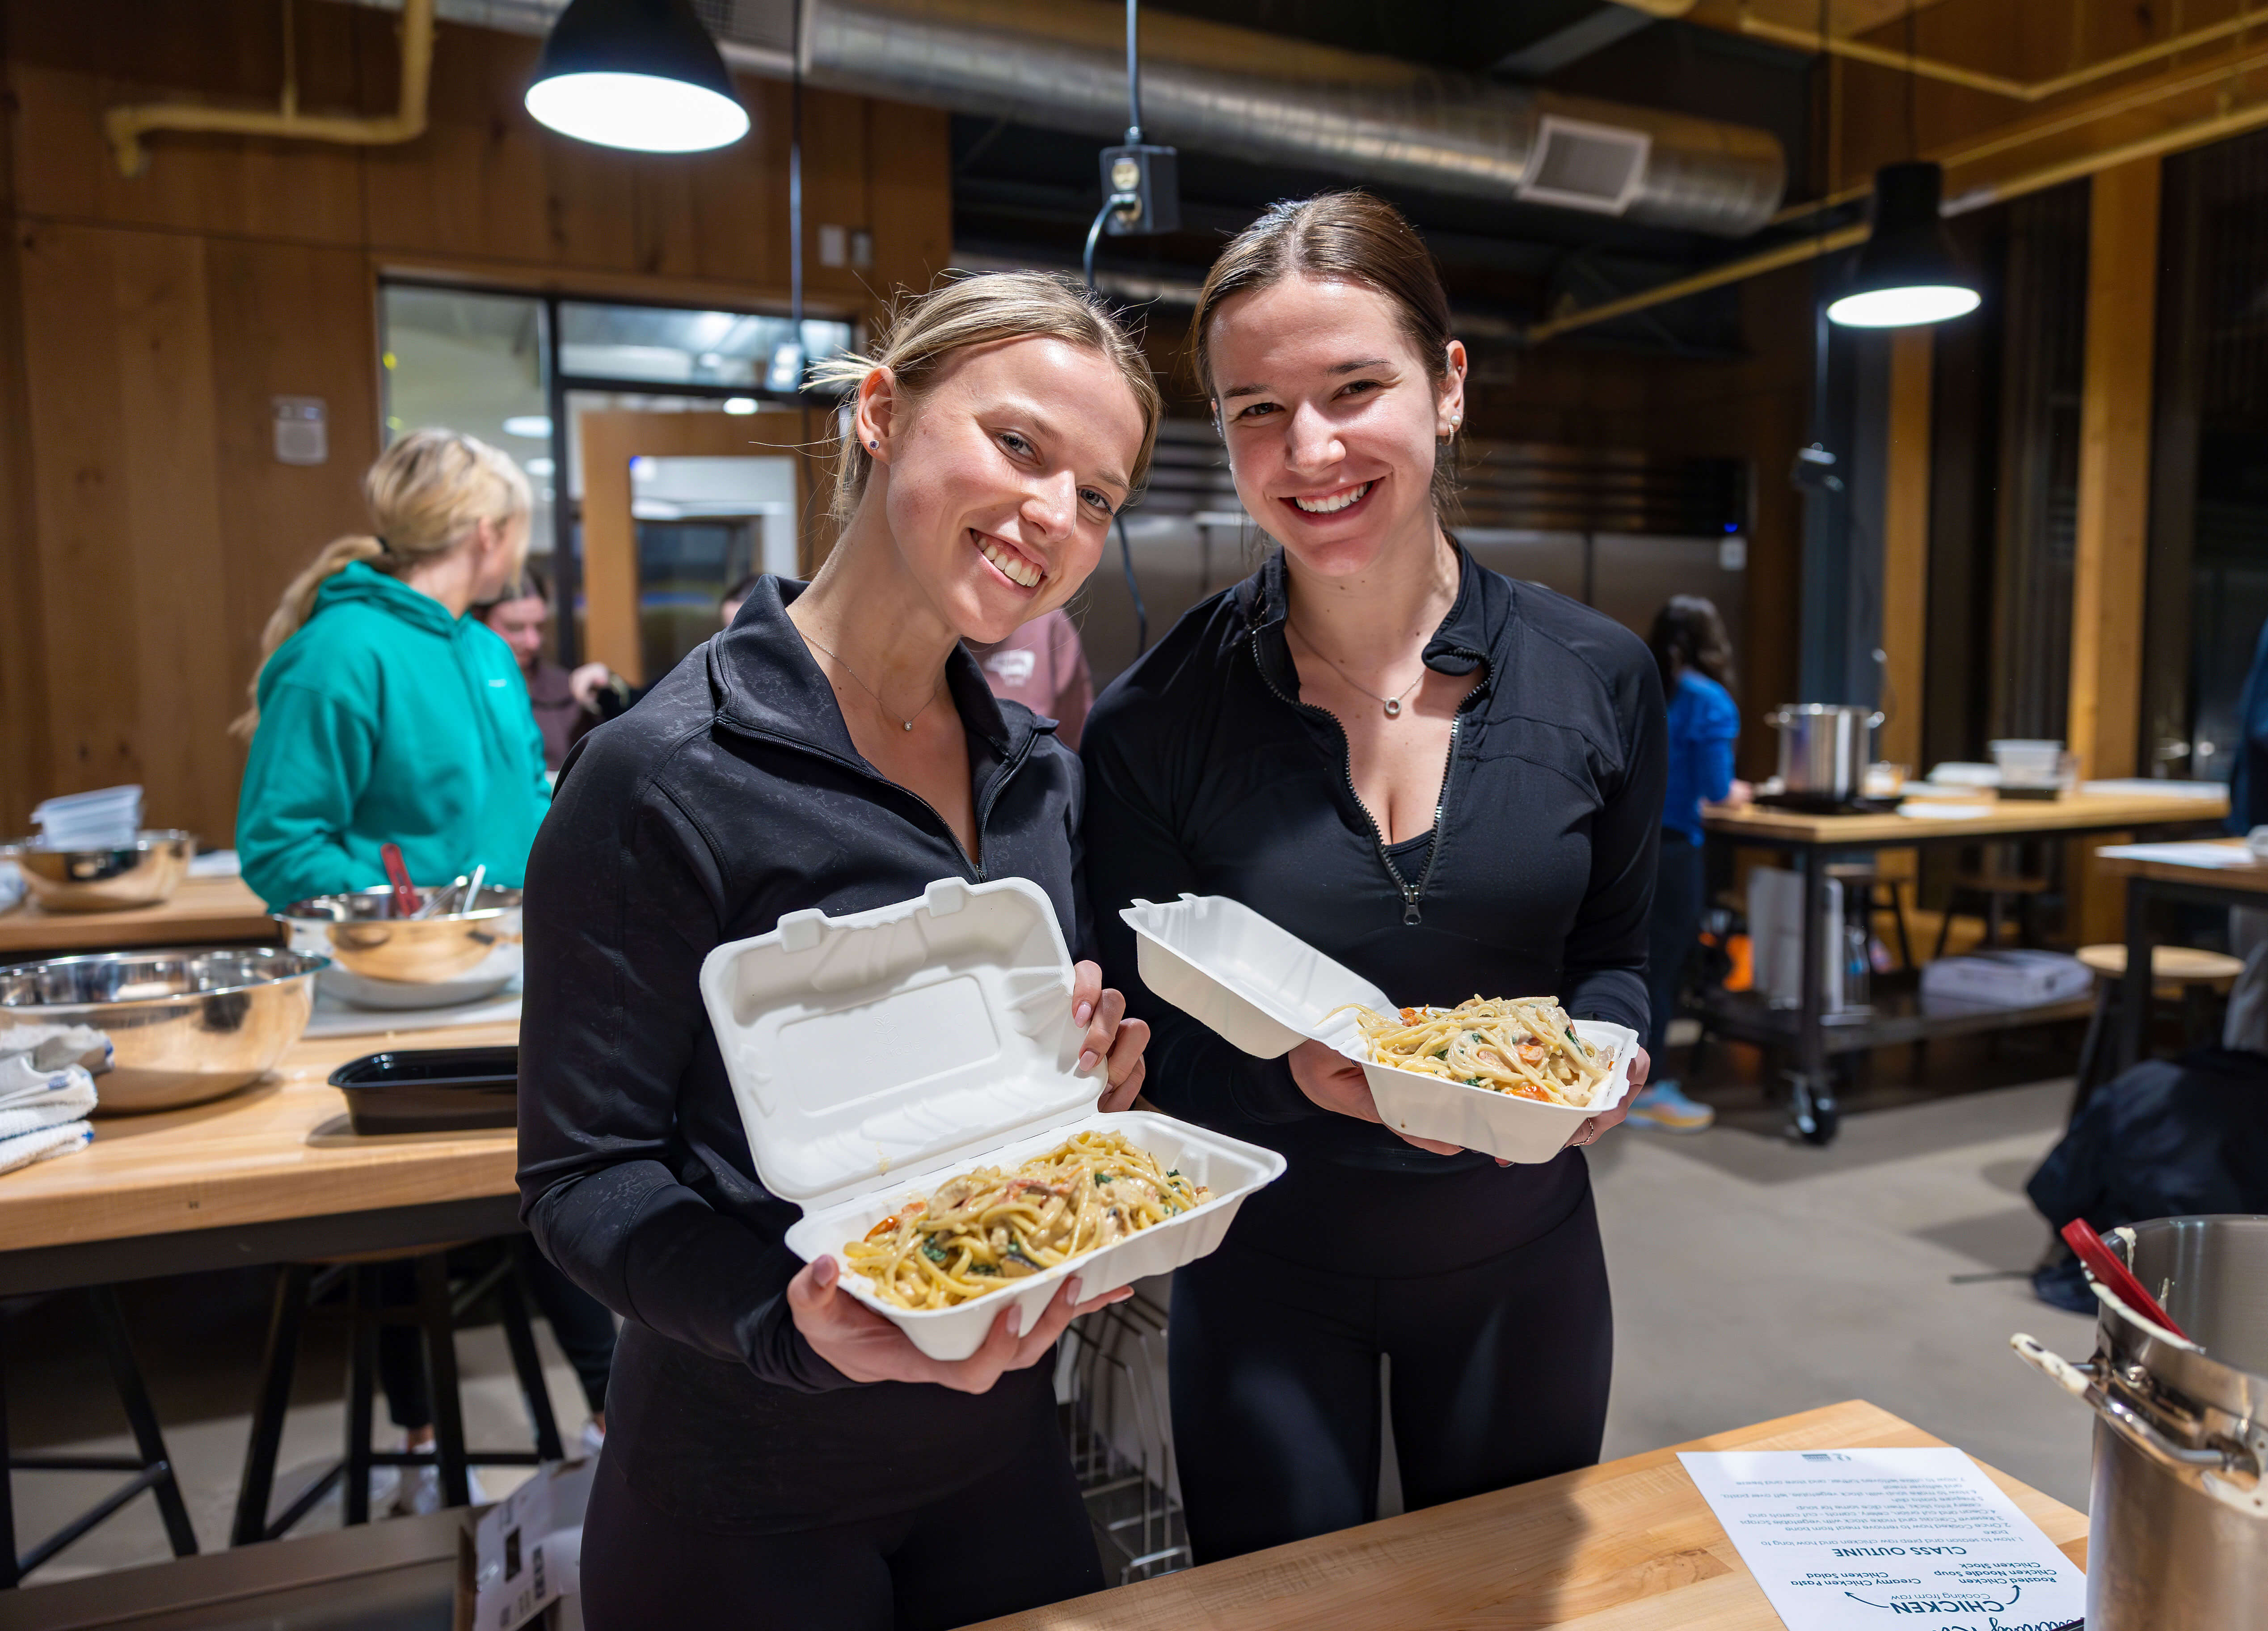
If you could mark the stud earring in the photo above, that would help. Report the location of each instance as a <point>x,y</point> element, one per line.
<point>877,446</point>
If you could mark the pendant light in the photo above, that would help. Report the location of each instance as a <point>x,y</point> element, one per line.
<point>638,74</point>
<point>1908,272</point>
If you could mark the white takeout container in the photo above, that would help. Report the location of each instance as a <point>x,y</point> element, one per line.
<point>1267,990</point>
<point>875,1055</point>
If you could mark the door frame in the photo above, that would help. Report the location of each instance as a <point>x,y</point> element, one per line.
<point>610,438</point>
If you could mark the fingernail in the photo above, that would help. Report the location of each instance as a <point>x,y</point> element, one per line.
<point>1087,1061</point>
<point>1074,1291</point>
<point>1015,1322</point>
<point>1083,1012</point>
<point>823,1271</point>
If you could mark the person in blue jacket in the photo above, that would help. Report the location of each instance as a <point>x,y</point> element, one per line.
<point>1696,658</point>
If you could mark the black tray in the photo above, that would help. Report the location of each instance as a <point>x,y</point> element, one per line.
<point>431,1089</point>
<point>1826,804</point>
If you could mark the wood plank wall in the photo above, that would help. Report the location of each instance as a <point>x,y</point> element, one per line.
<point>145,526</point>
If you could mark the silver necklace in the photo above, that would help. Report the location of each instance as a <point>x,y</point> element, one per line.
<point>1393,704</point>
<point>871,691</point>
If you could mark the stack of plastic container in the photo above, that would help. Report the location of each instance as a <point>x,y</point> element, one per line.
<point>108,818</point>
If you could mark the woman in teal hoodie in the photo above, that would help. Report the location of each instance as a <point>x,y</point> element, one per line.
<point>382,711</point>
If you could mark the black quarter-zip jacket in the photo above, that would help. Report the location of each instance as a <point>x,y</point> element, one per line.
<point>730,795</point>
<point>1207,774</point>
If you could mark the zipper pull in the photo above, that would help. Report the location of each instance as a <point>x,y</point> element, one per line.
<point>1409,912</point>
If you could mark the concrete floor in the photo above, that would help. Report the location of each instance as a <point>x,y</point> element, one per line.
<point>1753,1277</point>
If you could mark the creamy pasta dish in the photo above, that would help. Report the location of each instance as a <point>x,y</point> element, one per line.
<point>987,1229</point>
<point>1524,1046</point>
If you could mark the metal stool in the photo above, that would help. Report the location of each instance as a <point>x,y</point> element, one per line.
<point>151,1467</point>
<point>1993,886</point>
<point>2182,972</point>
<point>436,1313</point>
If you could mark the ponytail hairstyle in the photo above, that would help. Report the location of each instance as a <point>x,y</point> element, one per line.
<point>1688,633</point>
<point>981,308</point>
<point>1347,237</point>
<point>426,494</point>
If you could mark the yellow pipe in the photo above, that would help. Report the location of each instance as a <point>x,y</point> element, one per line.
<point>1994,85</point>
<point>2182,136</point>
<point>127,125</point>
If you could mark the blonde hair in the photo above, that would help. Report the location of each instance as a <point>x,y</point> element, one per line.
<point>426,494</point>
<point>979,308</point>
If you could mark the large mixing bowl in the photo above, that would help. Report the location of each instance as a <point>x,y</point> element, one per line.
<point>384,960</point>
<point>184,1026</point>
<point>140,874</point>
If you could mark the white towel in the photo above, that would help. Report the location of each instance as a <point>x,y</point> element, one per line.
<point>67,1096</point>
<point>27,1147</point>
<point>31,1051</point>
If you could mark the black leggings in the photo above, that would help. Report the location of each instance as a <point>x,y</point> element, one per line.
<point>1499,1375</point>
<point>585,1329</point>
<point>1680,896</point>
<point>1016,1538</point>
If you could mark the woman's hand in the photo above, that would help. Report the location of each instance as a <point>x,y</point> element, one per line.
<point>865,1347</point>
<point>1335,1082</point>
<point>1595,1127</point>
<point>585,685</point>
<point>1112,1039</point>
<point>1739,794</point>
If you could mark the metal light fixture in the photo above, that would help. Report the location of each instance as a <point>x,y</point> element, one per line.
<point>1908,272</point>
<point>638,74</point>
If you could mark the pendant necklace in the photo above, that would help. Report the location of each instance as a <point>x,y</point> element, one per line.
<point>871,691</point>
<point>1393,704</point>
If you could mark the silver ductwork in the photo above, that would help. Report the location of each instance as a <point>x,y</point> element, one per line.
<point>1246,95</point>
<point>1211,88</point>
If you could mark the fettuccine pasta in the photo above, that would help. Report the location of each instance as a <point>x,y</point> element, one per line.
<point>1525,1046</point>
<point>988,1228</point>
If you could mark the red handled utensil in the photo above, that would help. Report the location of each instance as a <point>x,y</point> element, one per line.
<point>397,873</point>
<point>2103,1264</point>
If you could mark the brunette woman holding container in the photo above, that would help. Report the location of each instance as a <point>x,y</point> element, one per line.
<point>1448,781</point>
<point>778,1455</point>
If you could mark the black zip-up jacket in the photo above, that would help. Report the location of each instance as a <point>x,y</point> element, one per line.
<point>730,795</point>
<point>1206,773</point>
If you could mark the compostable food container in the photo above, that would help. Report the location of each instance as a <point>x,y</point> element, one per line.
<point>1267,990</point>
<point>875,1055</point>
<point>2177,1514</point>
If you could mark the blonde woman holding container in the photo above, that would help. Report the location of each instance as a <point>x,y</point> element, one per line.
<point>778,1455</point>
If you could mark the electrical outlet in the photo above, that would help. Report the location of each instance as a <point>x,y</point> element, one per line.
<point>1147,173</point>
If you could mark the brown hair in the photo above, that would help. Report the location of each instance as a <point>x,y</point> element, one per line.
<point>425,495</point>
<point>1688,633</point>
<point>1341,237</point>
<point>980,308</point>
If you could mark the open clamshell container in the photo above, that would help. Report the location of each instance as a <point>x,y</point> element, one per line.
<point>1267,990</point>
<point>876,1055</point>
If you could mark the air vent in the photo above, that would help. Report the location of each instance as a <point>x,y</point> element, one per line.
<point>1579,166</point>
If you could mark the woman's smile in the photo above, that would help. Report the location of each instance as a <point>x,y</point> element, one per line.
<point>1336,501</point>
<point>1013,563</point>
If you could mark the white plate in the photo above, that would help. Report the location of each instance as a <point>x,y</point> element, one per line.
<point>876,1055</point>
<point>1266,989</point>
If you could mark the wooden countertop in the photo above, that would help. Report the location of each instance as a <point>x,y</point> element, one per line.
<point>1627,1547</point>
<point>2079,811</point>
<point>2252,877</point>
<point>276,1150</point>
<point>201,910</point>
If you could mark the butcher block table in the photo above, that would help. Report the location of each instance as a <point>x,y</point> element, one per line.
<point>1813,841</point>
<point>1627,1547</point>
<point>270,1174</point>
<point>203,912</point>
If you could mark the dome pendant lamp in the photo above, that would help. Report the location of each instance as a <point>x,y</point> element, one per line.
<point>638,74</point>
<point>1907,272</point>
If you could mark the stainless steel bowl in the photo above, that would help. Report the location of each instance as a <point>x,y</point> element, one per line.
<point>184,1025</point>
<point>140,874</point>
<point>361,932</point>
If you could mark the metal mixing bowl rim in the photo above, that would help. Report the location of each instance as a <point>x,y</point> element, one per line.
<point>312,964</point>
<point>287,916</point>
<point>147,838</point>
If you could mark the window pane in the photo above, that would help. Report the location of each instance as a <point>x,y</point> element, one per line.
<point>472,363</point>
<point>668,347</point>
<point>703,525</point>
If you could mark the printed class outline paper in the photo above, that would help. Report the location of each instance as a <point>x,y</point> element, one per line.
<point>1851,1539</point>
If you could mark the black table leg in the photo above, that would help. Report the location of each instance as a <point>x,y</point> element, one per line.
<point>267,1411</point>
<point>1813,1109</point>
<point>149,1441</point>
<point>2134,988</point>
<point>8,1573</point>
<point>437,1317</point>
